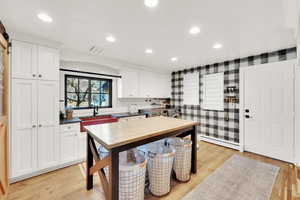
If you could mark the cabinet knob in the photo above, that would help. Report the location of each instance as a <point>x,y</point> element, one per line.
<point>33,75</point>
<point>40,75</point>
<point>40,125</point>
<point>33,126</point>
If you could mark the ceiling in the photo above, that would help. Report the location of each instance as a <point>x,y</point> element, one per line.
<point>244,27</point>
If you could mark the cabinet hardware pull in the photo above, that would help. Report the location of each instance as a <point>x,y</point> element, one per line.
<point>33,75</point>
<point>40,125</point>
<point>40,75</point>
<point>33,126</point>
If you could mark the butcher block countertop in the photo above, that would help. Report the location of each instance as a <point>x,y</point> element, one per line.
<point>124,132</point>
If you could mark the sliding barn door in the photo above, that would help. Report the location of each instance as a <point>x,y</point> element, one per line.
<point>269,109</point>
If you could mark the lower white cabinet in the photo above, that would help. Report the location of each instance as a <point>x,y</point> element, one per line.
<point>34,126</point>
<point>72,143</point>
<point>68,147</point>
<point>82,145</point>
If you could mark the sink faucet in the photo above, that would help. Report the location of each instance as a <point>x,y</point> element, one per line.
<point>95,110</point>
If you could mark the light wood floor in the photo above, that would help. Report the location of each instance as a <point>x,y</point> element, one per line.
<point>69,183</point>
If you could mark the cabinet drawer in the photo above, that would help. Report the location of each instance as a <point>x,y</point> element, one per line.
<point>70,127</point>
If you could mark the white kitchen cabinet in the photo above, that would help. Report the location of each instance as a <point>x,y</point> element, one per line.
<point>48,63</point>
<point>48,112</point>
<point>144,84</point>
<point>31,61</point>
<point>148,85</point>
<point>128,85</point>
<point>82,145</point>
<point>24,127</point>
<point>34,109</point>
<point>68,143</point>
<point>24,60</point>
<point>73,143</point>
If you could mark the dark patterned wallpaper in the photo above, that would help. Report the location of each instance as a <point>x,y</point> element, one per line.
<point>221,124</point>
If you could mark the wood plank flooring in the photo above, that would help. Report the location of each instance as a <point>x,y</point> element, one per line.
<point>69,183</point>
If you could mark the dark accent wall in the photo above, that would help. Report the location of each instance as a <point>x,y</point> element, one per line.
<point>221,124</point>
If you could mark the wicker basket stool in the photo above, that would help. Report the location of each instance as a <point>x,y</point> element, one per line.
<point>182,162</point>
<point>160,162</point>
<point>131,175</point>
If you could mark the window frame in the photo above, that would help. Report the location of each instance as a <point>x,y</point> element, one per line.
<point>90,92</point>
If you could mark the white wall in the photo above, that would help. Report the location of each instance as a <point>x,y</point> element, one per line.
<point>119,105</point>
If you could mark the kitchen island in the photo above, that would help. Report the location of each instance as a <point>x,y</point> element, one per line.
<point>125,135</point>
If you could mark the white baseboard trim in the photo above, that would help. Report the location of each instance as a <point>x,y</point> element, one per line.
<point>220,142</point>
<point>43,171</point>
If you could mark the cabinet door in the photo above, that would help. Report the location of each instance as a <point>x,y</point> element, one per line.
<point>148,84</point>
<point>68,143</point>
<point>164,89</point>
<point>48,63</point>
<point>129,84</point>
<point>48,124</point>
<point>82,145</point>
<point>24,131</point>
<point>24,60</point>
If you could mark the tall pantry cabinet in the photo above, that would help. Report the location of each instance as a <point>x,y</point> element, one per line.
<point>34,108</point>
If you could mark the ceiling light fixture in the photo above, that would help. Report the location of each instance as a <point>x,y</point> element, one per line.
<point>110,39</point>
<point>149,51</point>
<point>174,59</point>
<point>217,46</point>
<point>44,17</point>
<point>151,3</point>
<point>194,30</point>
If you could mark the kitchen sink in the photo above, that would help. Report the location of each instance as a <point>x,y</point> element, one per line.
<point>86,121</point>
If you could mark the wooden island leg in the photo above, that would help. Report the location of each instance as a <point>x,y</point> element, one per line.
<point>114,175</point>
<point>89,164</point>
<point>194,150</point>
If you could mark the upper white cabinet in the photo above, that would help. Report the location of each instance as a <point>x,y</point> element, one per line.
<point>24,60</point>
<point>128,86</point>
<point>144,84</point>
<point>48,63</point>
<point>31,61</point>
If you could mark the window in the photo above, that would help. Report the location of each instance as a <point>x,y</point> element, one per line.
<point>191,89</point>
<point>213,91</point>
<point>86,92</point>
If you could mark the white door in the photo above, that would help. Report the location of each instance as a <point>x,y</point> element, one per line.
<point>268,110</point>
<point>24,60</point>
<point>68,143</point>
<point>24,127</point>
<point>48,124</point>
<point>48,63</point>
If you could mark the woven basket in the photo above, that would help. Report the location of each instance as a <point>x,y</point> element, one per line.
<point>160,162</point>
<point>183,156</point>
<point>131,175</point>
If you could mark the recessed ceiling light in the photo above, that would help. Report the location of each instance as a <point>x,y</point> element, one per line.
<point>110,39</point>
<point>149,51</point>
<point>44,17</point>
<point>174,59</point>
<point>194,30</point>
<point>151,3</point>
<point>217,46</point>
